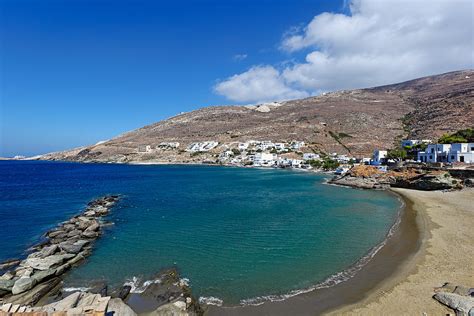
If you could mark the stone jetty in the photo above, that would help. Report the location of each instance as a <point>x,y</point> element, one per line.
<point>25,282</point>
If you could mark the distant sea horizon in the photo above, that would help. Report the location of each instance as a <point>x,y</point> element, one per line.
<point>239,235</point>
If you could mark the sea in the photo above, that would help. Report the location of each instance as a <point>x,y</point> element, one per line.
<point>237,235</point>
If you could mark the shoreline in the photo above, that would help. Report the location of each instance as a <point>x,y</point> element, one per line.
<point>400,244</point>
<point>445,221</point>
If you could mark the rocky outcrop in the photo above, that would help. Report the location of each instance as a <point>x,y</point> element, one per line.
<point>459,298</point>
<point>369,177</point>
<point>65,246</point>
<point>77,303</point>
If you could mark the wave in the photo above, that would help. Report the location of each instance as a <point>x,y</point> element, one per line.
<point>76,289</point>
<point>210,300</point>
<point>139,286</point>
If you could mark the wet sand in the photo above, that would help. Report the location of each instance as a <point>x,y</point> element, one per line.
<point>399,248</point>
<point>432,245</point>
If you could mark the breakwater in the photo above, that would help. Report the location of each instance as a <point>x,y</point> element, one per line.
<point>27,281</point>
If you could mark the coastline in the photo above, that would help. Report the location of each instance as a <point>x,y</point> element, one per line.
<point>445,221</point>
<point>430,247</point>
<point>401,244</point>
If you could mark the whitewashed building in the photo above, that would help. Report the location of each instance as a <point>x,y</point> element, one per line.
<point>202,146</point>
<point>264,159</point>
<point>310,156</point>
<point>172,145</point>
<point>458,152</point>
<point>296,145</point>
<point>243,146</point>
<point>379,157</point>
<point>279,146</point>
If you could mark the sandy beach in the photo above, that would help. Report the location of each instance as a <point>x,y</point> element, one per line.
<point>446,221</point>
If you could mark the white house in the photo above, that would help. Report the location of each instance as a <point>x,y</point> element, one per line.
<point>202,146</point>
<point>296,145</point>
<point>379,157</point>
<point>172,145</point>
<point>458,152</point>
<point>414,142</point>
<point>279,146</point>
<point>264,159</point>
<point>243,146</point>
<point>310,156</point>
<point>264,145</point>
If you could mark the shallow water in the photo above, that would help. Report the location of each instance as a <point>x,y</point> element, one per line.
<point>235,233</point>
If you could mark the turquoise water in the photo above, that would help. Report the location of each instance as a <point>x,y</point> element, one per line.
<point>235,233</point>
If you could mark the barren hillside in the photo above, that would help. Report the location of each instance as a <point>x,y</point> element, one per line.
<point>354,122</point>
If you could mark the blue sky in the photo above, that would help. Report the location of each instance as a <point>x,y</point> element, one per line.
<point>77,72</point>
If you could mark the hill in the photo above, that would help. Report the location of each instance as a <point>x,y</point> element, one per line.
<point>351,122</point>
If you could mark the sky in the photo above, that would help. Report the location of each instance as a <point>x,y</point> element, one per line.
<point>75,72</point>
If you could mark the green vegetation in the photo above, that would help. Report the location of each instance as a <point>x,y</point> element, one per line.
<point>197,153</point>
<point>326,164</point>
<point>337,137</point>
<point>462,136</point>
<point>235,151</point>
<point>398,153</point>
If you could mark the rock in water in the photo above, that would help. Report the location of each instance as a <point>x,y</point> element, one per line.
<point>6,285</point>
<point>118,307</point>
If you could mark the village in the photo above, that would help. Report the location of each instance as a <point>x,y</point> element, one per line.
<point>299,155</point>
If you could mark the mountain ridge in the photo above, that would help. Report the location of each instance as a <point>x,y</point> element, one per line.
<point>351,122</point>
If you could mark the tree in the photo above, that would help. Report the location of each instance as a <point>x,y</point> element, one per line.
<point>398,153</point>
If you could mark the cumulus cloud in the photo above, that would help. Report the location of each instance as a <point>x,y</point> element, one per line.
<point>258,84</point>
<point>379,42</point>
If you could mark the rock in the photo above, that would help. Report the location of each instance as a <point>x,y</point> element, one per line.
<point>118,307</point>
<point>69,227</point>
<point>93,227</point>
<point>34,295</point>
<point>90,234</point>
<point>75,232</point>
<point>46,251</point>
<point>56,233</point>
<point>90,213</point>
<point>447,287</point>
<point>71,247</point>
<point>124,291</point>
<point>61,269</point>
<point>469,182</point>
<point>64,304</point>
<point>46,263</point>
<point>23,284</point>
<point>9,264</point>
<point>461,304</point>
<point>170,309</point>
<point>6,285</point>
<point>43,275</point>
<point>461,290</point>
<point>82,225</point>
<point>7,276</point>
<point>23,271</point>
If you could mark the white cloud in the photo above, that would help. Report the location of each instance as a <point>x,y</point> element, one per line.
<point>258,84</point>
<point>380,42</point>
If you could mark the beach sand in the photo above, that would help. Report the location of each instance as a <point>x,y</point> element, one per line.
<point>446,222</point>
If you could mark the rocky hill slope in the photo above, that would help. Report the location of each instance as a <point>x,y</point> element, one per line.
<point>347,122</point>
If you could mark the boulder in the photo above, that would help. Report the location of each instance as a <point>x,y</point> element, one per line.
<point>124,291</point>
<point>461,304</point>
<point>71,247</point>
<point>82,225</point>
<point>46,263</point>
<point>90,234</point>
<point>469,182</point>
<point>46,251</point>
<point>61,269</point>
<point>6,285</point>
<point>56,234</point>
<point>73,233</point>
<point>93,227</point>
<point>23,284</point>
<point>43,275</point>
<point>118,307</point>
<point>9,263</point>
